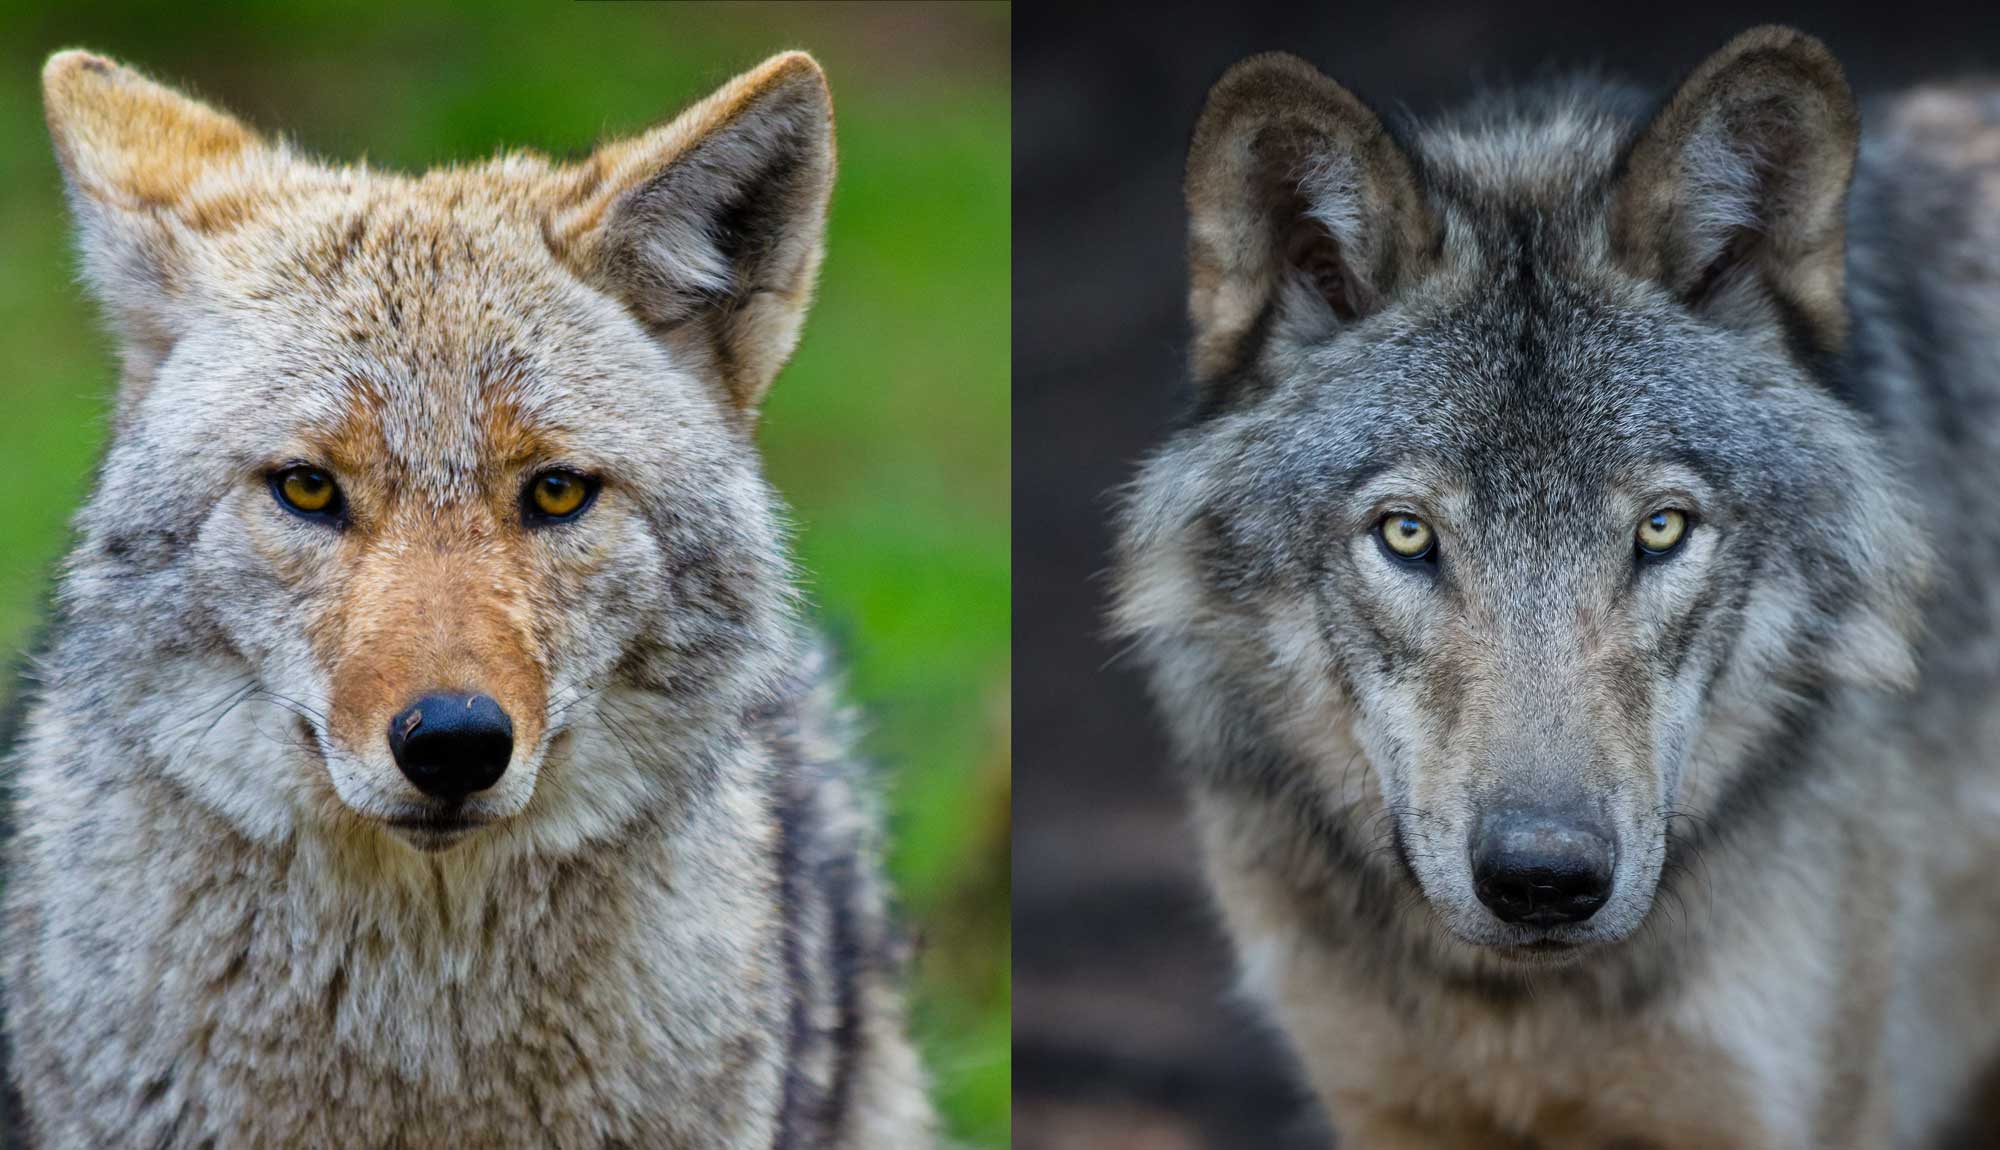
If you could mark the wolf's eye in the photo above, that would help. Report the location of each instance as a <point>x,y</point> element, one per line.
<point>1406,536</point>
<point>557,495</point>
<point>1662,531</point>
<point>307,491</point>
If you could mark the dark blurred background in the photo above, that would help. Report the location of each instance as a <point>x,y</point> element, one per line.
<point>887,433</point>
<point>1125,1036</point>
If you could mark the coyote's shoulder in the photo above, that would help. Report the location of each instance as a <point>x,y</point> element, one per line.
<point>428,750</point>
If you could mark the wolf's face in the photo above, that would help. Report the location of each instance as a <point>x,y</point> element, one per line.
<point>1515,479</point>
<point>452,472</point>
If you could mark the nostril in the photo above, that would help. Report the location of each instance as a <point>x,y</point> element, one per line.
<point>1541,897</point>
<point>452,745</point>
<point>1541,869</point>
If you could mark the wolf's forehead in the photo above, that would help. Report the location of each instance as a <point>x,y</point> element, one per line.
<point>1514,392</point>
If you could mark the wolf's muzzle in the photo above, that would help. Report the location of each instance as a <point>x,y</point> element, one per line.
<point>1541,868</point>
<point>452,746</point>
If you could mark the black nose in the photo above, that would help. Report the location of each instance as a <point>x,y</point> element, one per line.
<point>452,746</point>
<point>1541,868</point>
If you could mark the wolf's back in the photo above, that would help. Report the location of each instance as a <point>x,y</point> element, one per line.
<point>1924,270</point>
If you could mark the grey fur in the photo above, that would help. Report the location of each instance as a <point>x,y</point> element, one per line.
<point>1795,952</point>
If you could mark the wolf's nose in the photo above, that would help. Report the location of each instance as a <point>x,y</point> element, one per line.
<point>452,746</point>
<point>1540,868</point>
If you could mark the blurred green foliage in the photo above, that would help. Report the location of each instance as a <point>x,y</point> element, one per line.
<point>889,433</point>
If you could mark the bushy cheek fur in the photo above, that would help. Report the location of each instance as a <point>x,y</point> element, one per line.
<point>676,585</point>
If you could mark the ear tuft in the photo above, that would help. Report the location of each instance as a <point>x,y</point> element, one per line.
<point>710,228</point>
<point>128,142</point>
<point>135,156</point>
<point>1292,182</point>
<point>1734,197</point>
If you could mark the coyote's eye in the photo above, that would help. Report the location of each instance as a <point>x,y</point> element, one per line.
<point>307,491</point>
<point>1661,532</point>
<point>557,495</point>
<point>1406,536</point>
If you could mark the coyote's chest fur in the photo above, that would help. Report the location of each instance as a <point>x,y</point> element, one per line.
<point>316,995</point>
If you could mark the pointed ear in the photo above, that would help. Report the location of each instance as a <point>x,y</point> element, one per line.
<point>709,228</point>
<point>1735,196</point>
<point>1297,199</point>
<point>134,153</point>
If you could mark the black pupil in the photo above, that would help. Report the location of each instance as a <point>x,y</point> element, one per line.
<point>1409,528</point>
<point>312,484</point>
<point>556,487</point>
<point>1659,521</point>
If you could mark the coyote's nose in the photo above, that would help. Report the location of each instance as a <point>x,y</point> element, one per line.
<point>1541,868</point>
<point>452,746</point>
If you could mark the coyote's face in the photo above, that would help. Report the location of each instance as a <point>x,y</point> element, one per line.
<point>447,477</point>
<point>1515,483</point>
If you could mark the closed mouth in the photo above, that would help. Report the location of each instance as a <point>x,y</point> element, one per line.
<point>435,830</point>
<point>1543,951</point>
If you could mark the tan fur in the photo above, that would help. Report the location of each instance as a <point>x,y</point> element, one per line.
<point>664,925</point>
<point>131,141</point>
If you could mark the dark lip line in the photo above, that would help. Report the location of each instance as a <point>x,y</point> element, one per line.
<point>437,825</point>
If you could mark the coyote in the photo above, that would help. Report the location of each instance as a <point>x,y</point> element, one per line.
<point>428,750</point>
<point>1572,600</point>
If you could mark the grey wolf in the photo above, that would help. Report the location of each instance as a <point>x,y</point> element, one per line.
<point>1570,599</point>
<point>429,750</point>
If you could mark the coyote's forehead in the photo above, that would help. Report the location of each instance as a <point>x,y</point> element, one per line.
<point>421,332</point>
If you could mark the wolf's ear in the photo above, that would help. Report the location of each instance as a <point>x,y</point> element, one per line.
<point>710,227</point>
<point>133,154</point>
<point>1302,211</point>
<point>1734,197</point>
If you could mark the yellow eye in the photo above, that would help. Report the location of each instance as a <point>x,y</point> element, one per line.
<point>307,490</point>
<point>1407,536</point>
<point>558,494</point>
<point>1662,531</point>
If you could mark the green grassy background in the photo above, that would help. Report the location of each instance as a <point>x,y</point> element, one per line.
<point>889,432</point>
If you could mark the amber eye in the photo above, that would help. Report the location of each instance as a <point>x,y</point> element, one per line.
<point>1662,531</point>
<point>555,495</point>
<point>308,491</point>
<point>1406,536</point>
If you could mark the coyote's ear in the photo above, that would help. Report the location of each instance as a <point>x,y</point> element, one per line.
<point>1297,199</point>
<point>133,154</point>
<point>1734,197</point>
<point>710,227</point>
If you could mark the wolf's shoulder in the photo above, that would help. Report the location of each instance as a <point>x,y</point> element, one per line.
<point>1955,125</point>
<point>1924,232</point>
<point>1930,162</point>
